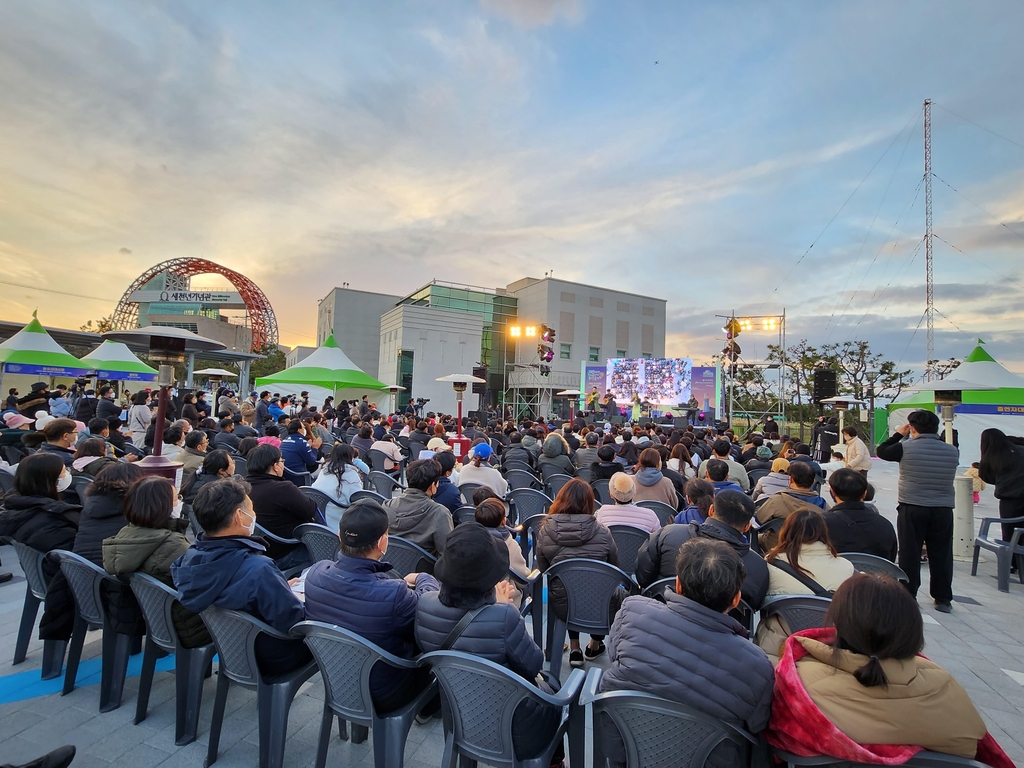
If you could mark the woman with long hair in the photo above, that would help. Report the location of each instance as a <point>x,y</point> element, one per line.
<point>103,510</point>
<point>1002,464</point>
<point>681,461</point>
<point>339,479</point>
<point>627,454</point>
<point>699,496</point>
<point>860,683</point>
<point>570,530</point>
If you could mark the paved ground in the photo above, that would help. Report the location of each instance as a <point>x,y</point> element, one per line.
<point>981,643</point>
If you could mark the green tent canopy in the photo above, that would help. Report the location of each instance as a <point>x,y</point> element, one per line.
<point>328,368</point>
<point>112,361</point>
<point>31,351</point>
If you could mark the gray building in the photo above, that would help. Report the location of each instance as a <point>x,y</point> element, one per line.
<point>354,319</point>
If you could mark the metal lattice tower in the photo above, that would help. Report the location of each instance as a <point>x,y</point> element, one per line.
<point>929,286</point>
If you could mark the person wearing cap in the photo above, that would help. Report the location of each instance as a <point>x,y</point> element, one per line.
<point>11,404</point>
<point>775,481</point>
<point>476,471</point>
<point>36,400</point>
<point>61,436</point>
<point>472,569</point>
<point>622,487</point>
<point>415,515</point>
<point>358,592</point>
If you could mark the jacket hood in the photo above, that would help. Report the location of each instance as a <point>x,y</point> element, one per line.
<point>529,441</point>
<point>134,545</point>
<point>501,533</point>
<point>719,531</point>
<point>572,530</point>
<point>648,476</point>
<point>209,565</point>
<point>410,509</point>
<point>80,464</point>
<point>553,447</point>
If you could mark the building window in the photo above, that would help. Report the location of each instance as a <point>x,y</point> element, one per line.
<point>621,353</point>
<point>647,355</point>
<point>565,351</point>
<point>595,355</point>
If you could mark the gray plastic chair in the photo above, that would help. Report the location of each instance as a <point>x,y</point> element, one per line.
<point>466,489</point>
<point>656,591</point>
<point>407,557</point>
<point>464,514</point>
<point>556,482</point>
<point>365,494</point>
<point>601,491</point>
<point>300,479</point>
<point>234,634</point>
<point>798,612</point>
<point>920,760</point>
<point>658,732</point>
<point>518,478</point>
<point>528,508</point>
<point>320,540</point>
<point>319,498</point>
<point>628,540</point>
<point>345,660</point>
<point>190,664</point>
<point>532,587</point>
<point>583,473</point>
<point>377,460</point>
<point>548,470</point>
<point>261,531</point>
<point>479,698</point>
<point>519,466</point>
<point>866,563</point>
<point>1005,551</point>
<point>85,579</point>
<point>590,586</point>
<point>79,483</point>
<point>35,592</point>
<point>385,484</point>
<point>241,465</point>
<point>665,512</point>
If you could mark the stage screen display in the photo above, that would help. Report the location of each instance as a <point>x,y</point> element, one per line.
<point>663,382</point>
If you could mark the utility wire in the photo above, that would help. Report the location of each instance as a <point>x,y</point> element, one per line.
<point>923,314</point>
<point>52,290</point>
<point>952,323</point>
<point>965,197</point>
<point>979,261</point>
<point>976,125</point>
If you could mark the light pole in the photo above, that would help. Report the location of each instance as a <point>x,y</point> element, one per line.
<point>842,404</point>
<point>872,375</point>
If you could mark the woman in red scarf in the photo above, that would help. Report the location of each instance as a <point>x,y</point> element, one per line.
<point>861,691</point>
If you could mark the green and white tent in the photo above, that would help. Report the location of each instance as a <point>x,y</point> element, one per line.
<point>1001,408</point>
<point>113,361</point>
<point>327,371</point>
<point>32,352</point>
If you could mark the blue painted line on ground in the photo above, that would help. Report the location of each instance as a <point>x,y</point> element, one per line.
<point>27,685</point>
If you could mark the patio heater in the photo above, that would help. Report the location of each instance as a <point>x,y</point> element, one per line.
<point>167,347</point>
<point>842,404</point>
<point>459,381</point>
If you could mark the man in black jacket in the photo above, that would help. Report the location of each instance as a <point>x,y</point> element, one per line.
<point>107,407</point>
<point>728,521</point>
<point>280,506</point>
<point>852,525</point>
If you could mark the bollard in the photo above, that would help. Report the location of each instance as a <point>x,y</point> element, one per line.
<point>963,518</point>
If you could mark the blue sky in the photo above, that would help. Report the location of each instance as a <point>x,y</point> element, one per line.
<point>384,144</point>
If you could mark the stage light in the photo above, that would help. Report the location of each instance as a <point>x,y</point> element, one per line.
<point>531,331</point>
<point>769,324</point>
<point>515,331</point>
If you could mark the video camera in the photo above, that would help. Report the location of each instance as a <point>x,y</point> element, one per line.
<point>422,400</point>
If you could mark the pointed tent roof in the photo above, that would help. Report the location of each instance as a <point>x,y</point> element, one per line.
<point>981,368</point>
<point>114,361</point>
<point>33,352</point>
<point>327,367</point>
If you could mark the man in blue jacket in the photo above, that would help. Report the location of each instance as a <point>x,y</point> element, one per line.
<point>299,455</point>
<point>228,568</point>
<point>360,593</point>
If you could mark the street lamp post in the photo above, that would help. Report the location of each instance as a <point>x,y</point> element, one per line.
<point>459,382</point>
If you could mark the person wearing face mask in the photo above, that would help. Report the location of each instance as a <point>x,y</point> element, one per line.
<point>280,505</point>
<point>857,456</point>
<point>228,567</point>
<point>61,435</point>
<point>153,539</point>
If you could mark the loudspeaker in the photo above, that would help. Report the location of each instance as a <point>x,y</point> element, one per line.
<point>480,416</point>
<point>679,422</point>
<point>617,419</point>
<point>480,373</point>
<point>824,384</point>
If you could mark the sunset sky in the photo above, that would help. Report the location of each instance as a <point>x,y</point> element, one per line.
<point>692,151</point>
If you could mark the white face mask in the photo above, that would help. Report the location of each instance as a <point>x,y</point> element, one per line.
<point>252,518</point>
<point>176,512</point>
<point>64,482</point>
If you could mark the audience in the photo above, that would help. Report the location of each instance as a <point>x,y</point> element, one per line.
<point>414,515</point>
<point>516,452</point>
<point>774,482</point>
<point>722,450</point>
<point>699,495</point>
<point>555,456</point>
<point>61,436</point>
<point>448,494</point>
<point>280,506</point>
<point>216,465</point>
<point>193,453</point>
<point>339,479</point>
<point>606,465</point>
<point>392,453</point>
<point>587,454</point>
<point>622,489</point>
<point>651,484</point>
<point>490,513</point>
<point>299,454</point>
<point>781,505</point>
<point>480,473</point>
<point>91,456</point>
<point>102,513</point>
<point>853,526</point>
<point>718,475</point>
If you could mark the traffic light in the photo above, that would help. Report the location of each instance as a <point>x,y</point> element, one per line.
<point>545,351</point>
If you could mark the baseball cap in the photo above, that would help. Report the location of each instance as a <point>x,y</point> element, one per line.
<point>363,523</point>
<point>483,451</point>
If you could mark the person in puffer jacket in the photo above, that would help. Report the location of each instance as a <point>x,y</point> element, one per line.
<point>651,484</point>
<point>690,651</point>
<point>415,515</point>
<point>472,570</point>
<point>556,453</point>
<point>571,531</point>
<point>151,541</point>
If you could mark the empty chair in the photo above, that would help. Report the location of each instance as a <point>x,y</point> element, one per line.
<point>555,482</point>
<point>601,491</point>
<point>385,484</point>
<point>466,489</point>
<point>480,698</point>
<point>319,498</point>
<point>300,479</point>
<point>234,634</point>
<point>463,514</point>
<point>320,540</point>
<point>656,731</point>
<point>1005,551</point>
<point>35,592</point>
<point>866,563</point>
<point>666,514</point>
<point>190,664</point>
<point>407,557</point>
<point>518,478</point>
<point>345,660</point>
<point>85,579</point>
<point>590,586</point>
<point>628,540</point>
<point>583,473</point>
<point>365,494</point>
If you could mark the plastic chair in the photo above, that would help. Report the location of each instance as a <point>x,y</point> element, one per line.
<point>756,474</point>
<point>518,478</point>
<point>519,466</point>
<point>548,470</point>
<point>300,479</point>
<point>528,508</point>
<point>463,514</point>
<point>664,511</point>
<point>601,491</point>
<point>6,481</point>
<point>866,563</point>
<point>35,592</point>
<point>190,664</point>
<point>556,482</point>
<point>345,660</point>
<point>589,586</point>
<point>377,460</point>
<point>583,473</point>
<point>799,612</point>
<point>775,524</point>
<point>466,489</point>
<point>234,634</point>
<point>79,483</point>
<point>407,557</point>
<point>320,540</point>
<point>658,732</point>
<point>920,760</point>
<point>319,498</point>
<point>281,540</point>
<point>385,484</point>
<point>1005,551</point>
<point>241,465</point>
<point>532,587</point>
<point>479,699</point>
<point>403,443</point>
<point>628,540</point>
<point>85,579</point>
<point>656,591</point>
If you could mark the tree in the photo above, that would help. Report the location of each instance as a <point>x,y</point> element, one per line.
<point>104,324</point>
<point>799,361</point>
<point>940,369</point>
<point>853,359</point>
<point>274,361</point>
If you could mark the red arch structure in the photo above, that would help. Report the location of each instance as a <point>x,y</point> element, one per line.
<point>258,312</point>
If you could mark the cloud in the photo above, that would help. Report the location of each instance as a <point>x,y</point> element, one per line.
<point>535,13</point>
<point>125,251</point>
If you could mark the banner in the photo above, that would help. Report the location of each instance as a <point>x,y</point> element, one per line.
<point>703,387</point>
<point>44,370</point>
<point>125,376</point>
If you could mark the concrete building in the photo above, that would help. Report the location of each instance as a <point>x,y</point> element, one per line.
<point>296,355</point>
<point>354,318</point>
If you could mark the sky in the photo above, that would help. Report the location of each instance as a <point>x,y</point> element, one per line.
<point>689,151</point>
